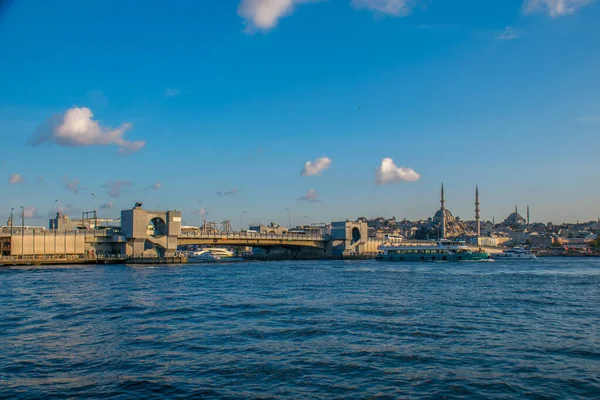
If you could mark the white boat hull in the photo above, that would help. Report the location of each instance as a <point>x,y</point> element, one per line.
<point>514,257</point>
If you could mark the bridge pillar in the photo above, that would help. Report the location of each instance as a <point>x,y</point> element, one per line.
<point>328,251</point>
<point>348,237</point>
<point>143,229</point>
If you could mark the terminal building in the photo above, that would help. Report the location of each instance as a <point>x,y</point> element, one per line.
<point>138,233</point>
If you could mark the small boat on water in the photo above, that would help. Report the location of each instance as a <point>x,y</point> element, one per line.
<point>212,255</point>
<point>221,252</point>
<point>202,256</point>
<point>441,250</point>
<point>516,253</point>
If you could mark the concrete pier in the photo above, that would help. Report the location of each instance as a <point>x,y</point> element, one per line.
<point>8,261</point>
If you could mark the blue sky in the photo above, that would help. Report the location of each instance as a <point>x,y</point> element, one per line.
<point>169,103</point>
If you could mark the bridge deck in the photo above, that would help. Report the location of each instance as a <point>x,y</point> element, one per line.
<point>251,239</point>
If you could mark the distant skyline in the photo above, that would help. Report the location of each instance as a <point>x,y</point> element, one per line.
<point>334,109</point>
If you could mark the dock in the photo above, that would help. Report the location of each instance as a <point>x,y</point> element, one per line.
<point>10,261</point>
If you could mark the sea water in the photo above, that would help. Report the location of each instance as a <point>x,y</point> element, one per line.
<point>330,329</point>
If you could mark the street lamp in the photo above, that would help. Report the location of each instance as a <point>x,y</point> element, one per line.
<point>202,214</point>
<point>22,229</point>
<point>11,221</point>
<point>241,219</point>
<point>95,211</point>
<point>289,217</point>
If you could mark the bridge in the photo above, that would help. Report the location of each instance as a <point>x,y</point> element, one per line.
<point>145,233</point>
<point>44,242</point>
<point>254,239</point>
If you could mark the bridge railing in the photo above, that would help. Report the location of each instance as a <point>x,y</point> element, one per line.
<point>46,257</point>
<point>18,231</point>
<point>246,235</point>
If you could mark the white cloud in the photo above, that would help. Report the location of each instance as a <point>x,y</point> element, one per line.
<point>316,167</point>
<point>508,34</point>
<point>30,212</point>
<point>69,209</point>
<point>156,186</point>
<point>15,178</point>
<point>201,212</point>
<point>311,196</point>
<point>395,8</point>
<point>107,206</point>
<point>72,186</point>
<point>231,192</point>
<point>389,173</point>
<point>77,128</point>
<point>555,8</point>
<point>172,92</point>
<point>115,188</point>
<point>264,14</point>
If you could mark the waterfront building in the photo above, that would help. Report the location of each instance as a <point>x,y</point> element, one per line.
<point>271,228</point>
<point>62,222</point>
<point>349,237</point>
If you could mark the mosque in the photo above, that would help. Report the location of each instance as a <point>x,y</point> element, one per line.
<point>516,219</point>
<point>449,225</point>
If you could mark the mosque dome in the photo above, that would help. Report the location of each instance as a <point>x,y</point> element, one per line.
<point>514,219</point>
<point>437,218</point>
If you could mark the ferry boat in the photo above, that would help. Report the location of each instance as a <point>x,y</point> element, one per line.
<point>212,255</point>
<point>442,250</point>
<point>516,253</point>
<point>221,252</point>
<point>202,256</point>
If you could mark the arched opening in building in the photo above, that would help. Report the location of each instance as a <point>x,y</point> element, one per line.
<point>355,235</point>
<point>157,227</point>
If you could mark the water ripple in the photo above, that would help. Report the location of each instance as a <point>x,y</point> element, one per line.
<point>362,330</point>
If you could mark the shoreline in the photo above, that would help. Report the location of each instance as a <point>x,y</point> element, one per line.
<point>6,263</point>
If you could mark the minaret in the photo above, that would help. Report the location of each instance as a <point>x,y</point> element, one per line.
<point>443,228</point>
<point>528,214</point>
<point>516,210</point>
<point>477,216</point>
